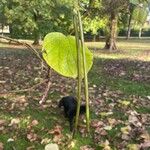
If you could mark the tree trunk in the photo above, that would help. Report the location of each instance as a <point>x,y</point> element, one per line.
<point>131,10</point>
<point>36,30</point>
<point>2,29</point>
<point>107,42</point>
<point>11,30</point>
<point>36,37</point>
<point>140,32</point>
<point>129,27</point>
<point>112,33</point>
<point>128,33</point>
<point>94,40</point>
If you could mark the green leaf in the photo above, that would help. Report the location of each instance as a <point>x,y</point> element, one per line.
<point>59,51</point>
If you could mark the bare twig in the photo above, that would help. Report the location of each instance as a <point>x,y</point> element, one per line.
<point>48,75</point>
<point>25,44</point>
<point>45,93</point>
<point>28,89</point>
<point>38,55</point>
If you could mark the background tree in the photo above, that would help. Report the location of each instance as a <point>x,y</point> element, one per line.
<point>112,8</point>
<point>134,10</point>
<point>93,25</point>
<point>3,20</point>
<point>36,18</point>
<point>139,18</point>
<point>131,10</point>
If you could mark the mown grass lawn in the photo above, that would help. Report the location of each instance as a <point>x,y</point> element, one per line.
<point>131,49</point>
<point>119,86</point>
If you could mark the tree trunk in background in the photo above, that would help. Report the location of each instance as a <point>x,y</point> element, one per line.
<point>140,33</point>
<point>129,27</point>
<point>2,29</point>
<point>94,40</point>
<point>11,30</point>
<point>36,30</point>
<point>128,33</point>
<point>107,42</point>
<point>112,33</point>
<point>36,37</point>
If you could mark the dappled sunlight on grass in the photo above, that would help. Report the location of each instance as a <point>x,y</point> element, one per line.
<point>127,49</point>
<point>134,56</point>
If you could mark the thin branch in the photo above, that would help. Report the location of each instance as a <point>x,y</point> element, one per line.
<point>45,93</point>
<point>25,44</point>
<point>48,75</point>
<point>28,89</point>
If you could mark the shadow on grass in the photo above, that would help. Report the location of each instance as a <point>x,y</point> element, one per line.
<point>128,76</point>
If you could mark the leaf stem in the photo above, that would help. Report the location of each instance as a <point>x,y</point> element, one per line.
<point>85,72</point>
<point>78,70</point>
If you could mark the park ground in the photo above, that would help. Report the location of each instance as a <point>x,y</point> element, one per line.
<point>119,91</point>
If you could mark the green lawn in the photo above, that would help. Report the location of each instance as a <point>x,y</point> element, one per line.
<point>119,90</point>
<point>128,49</point>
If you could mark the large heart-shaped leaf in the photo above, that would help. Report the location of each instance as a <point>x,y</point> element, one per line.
<point>59,51</point>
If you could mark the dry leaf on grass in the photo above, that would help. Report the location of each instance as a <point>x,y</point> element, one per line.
<point>1,146</point>
<point>2,122</point>
<point>51,147</point>
<point>57,134</point>
<point>86,147</point>
<point>14,121</point>
<point>34,123</point>
<point>32,137</point>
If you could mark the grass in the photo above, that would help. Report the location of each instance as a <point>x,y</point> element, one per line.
<point>129,49</point>
<point>99,76</point>
<point>115,76</point>
<point>143,110</point>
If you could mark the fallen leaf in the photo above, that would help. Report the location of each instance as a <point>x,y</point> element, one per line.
<point>34,123</point>
<point>86,147</point>
<point>56,131</point>
<point>32,137</point>
<point>10,140</point>
<point>125,137</point>
<point>14,121</point>
<point>105,114</point>
<point>108,128</point>
<point>145,145</point>
<point>134,120</point>
<point>57,134</point>
<point>126,130</point>
<point>133,147</point>
<point>125,103</point>
<point>2,122</point>
<point>71,144</point>
<point>30,148</point>
<point>2,128</point>
<point>105,145</point>
<point>2,82</point>
<point>148,97</point>
<point>51,147</point>
<point>96,123</point>
<point>1,146</point>
<point>45,141</point>
<point>112,121</point>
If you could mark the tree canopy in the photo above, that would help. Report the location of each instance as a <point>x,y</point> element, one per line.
<point>35,18</point>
